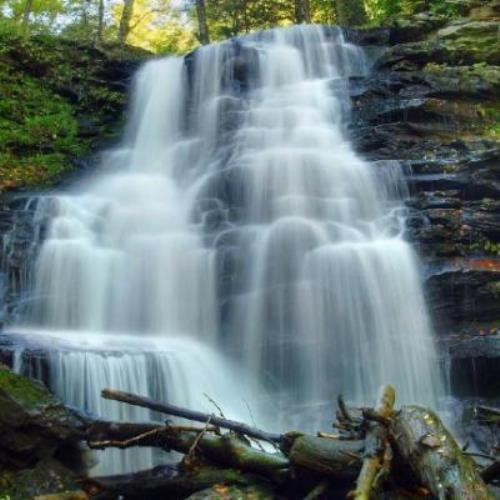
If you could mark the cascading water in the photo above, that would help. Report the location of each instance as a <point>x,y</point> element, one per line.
<point>236,217</point>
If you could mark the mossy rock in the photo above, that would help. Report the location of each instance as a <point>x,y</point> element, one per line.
<point>46,478</point>
<point>60,100</point>
<point>472,41</point>
<point>34,425</point>
<point>461,43</point>
<point>479,80</point>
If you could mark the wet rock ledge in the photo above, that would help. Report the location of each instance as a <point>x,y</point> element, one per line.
<point>432,103</point>
<point>39,450</point>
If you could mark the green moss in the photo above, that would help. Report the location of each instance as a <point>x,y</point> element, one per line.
<point>31,394</point>
<point>27,405</point>
<point>47,86</point>
<point>490,115</point>
<point>471,42</point>
<point>48,477</point>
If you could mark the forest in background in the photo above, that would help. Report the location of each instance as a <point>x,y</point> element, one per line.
<point>178,26</point>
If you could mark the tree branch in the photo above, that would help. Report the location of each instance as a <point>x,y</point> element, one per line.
<point>196,416</point>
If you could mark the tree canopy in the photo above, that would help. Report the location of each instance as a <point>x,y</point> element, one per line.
<point>177,26</point>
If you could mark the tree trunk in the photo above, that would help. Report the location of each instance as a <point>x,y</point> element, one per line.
<point>350,12</point>
<point>437,461</point>
<point>333,458</point>
<point>100,20</point>
<point>124,30</point>
<point>302,12</point>
<point>202,22</point>
<point>28,6</point>
<point>228,450</point>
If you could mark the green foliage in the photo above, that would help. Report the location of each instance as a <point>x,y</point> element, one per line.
<point>170,26</point>
<point>228,18</point>
<point>158,26</point>
<point>491,247</point>
<point>486,246</point>
<point>379,11</point>
<point>37,128</point>
<point>46,83</point>
<point>446,8</point>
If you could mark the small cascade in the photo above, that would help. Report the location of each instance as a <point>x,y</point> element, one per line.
<point>234,226</point>
<point>176,369</point>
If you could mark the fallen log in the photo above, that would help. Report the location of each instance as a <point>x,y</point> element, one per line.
<point>414,435</point>
<point>423,442</point>
<point>376,443</point>
<point>228,450</point>
<point>196,416</point>
<point>333,458</point>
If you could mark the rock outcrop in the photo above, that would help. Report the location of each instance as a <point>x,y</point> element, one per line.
<point>432,103</point>
<point>39,439</point>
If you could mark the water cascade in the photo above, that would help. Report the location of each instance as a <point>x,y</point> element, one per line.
<point>236,225</point>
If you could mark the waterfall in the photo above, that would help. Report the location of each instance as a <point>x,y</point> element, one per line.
<point>235,244</point>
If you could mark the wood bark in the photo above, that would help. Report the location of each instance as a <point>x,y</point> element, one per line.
<point>427,452</point>
<point>201,13</point>
<point>376,443</point>
<point>350,12</point>
<point>424,443</point>
<point>302,12</point>
<point>228,450</point>
<point>329,457</point>
<point>28,7</point>
<point>196,416</point>
<point>124,29</point>
<point>100,20</point>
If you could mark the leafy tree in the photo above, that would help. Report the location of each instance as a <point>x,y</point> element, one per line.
<point>350,12</point>
<point>158,26</point>
<point>302,11</point>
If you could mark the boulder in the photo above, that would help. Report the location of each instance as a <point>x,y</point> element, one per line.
<point>34,425</point>
<point>48,480</point>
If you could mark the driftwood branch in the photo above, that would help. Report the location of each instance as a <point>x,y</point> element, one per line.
<point>375,444</point>
<point>196,416</point>
<point>437,461</point>
<point>329,457</point>
<point>228,450</point>
<point>361,453</point>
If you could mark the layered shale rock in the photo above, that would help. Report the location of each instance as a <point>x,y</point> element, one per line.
<point>432,103</point>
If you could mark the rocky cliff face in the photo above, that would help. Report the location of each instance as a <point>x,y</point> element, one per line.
<point>432,103</point>
<point>39,439</point>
